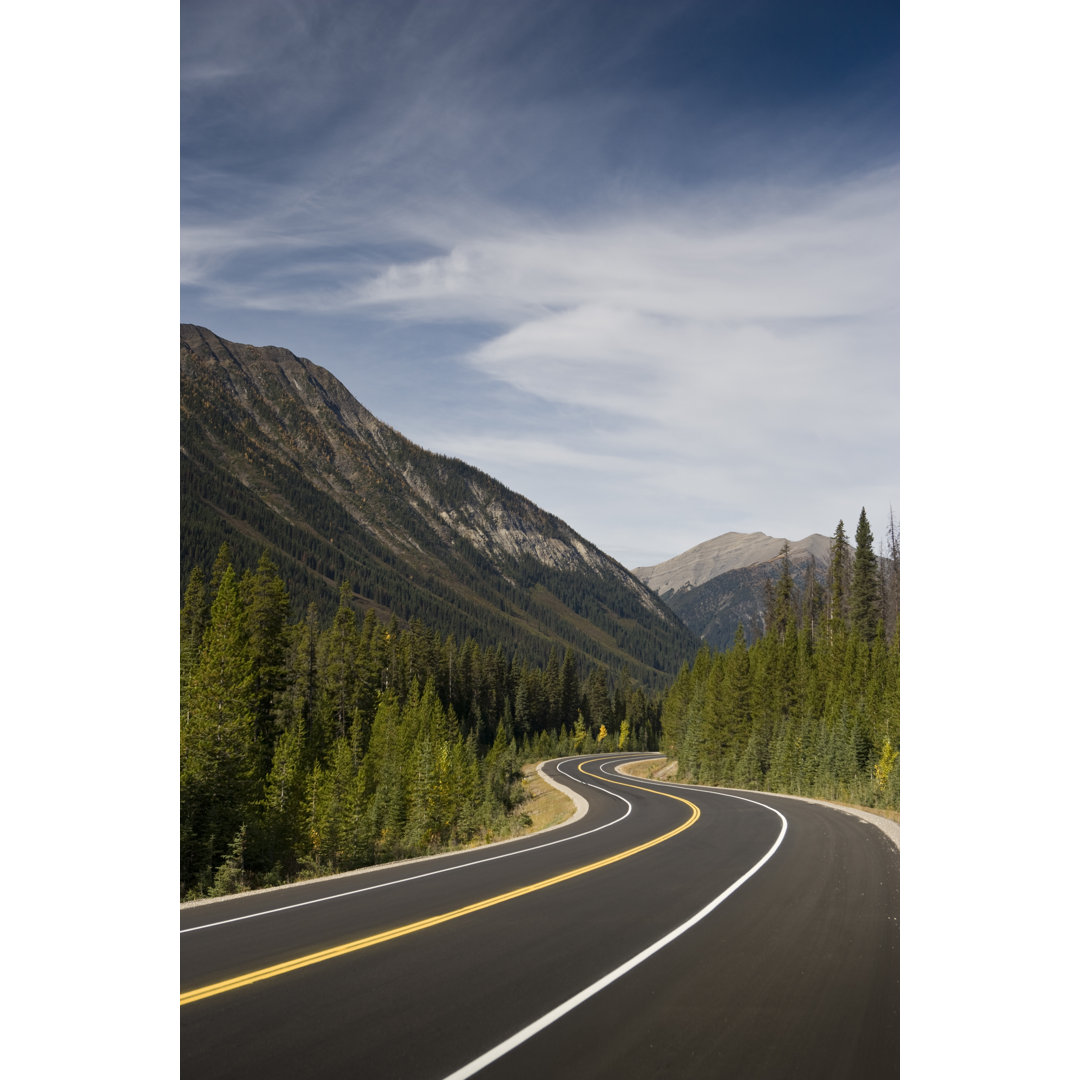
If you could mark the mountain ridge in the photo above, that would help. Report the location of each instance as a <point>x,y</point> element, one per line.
<point>721,583</point>
<point>277,453</point>
<point>728,551</point>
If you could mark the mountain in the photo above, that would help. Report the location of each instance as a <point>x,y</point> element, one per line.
<point>720,583</point>
<point>731,551</point>
<point>277,454</point>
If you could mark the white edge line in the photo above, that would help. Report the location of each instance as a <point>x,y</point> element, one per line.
<point>581,807</point>
<point>886,825</point>
<point>580,804</point>
<point>571,1003</point>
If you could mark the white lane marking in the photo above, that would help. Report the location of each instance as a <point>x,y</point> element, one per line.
<point>582,996</point>
<point>430,873</point>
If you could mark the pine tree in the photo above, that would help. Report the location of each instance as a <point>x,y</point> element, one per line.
<point>218,749</point>
<point>553,690</point>
<point>194,615</point>
<point>865,595</point>
<point>597,699</point>
<point>230,877</point>
<point>283,798</point>
<point>781,606</point>
<point>530,713</point>
<point>335,822</point>
<point>301,690</point>
<point>674,709</point>
<point>839,584</point>
<point>569,688</point>
<point>338,648</point>
<point>384,779</point>
<point>502,772</point>
<point>266,612</point>
<point>838,587</point>
<point>813,602</point>
<point>891,586</point>
<point>221,561</point>
<point>369,674</point>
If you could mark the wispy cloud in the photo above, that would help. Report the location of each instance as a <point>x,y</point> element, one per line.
<point>676,316</point>
<point>578,254</point>
<point>747,340</point>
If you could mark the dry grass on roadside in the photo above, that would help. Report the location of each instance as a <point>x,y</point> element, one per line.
<point>652,769</point>
<point>543,805</point>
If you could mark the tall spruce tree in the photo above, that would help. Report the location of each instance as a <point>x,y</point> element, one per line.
<point>839,583</point>
<point>222,560</point>
<point>569,689</point>
<point>813,602</point>
<point>782,606</point>
<point>891,589</point>
<point>552,685</point>
<point>218,749</point>
<point>194,615</point>
<point>865,583</point>
<point>266,605</point>
<point>338,648</point>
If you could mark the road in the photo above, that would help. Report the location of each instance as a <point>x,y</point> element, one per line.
<point>671,931</point>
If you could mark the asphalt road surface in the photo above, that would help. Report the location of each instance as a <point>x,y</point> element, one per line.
<point>672,931</point>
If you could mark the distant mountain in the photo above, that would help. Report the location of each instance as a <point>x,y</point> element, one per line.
<point>277,454</point>
<point>720,583</point>
<point>731,551</point>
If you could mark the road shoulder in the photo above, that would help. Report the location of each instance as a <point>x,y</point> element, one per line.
<point>662,769</point>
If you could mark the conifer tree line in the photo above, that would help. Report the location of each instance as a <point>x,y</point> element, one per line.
<point>308,749</point>
<point>812,707</point>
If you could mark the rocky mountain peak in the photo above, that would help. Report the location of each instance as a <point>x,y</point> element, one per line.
<point>277,453</point>
<point>729,551</point>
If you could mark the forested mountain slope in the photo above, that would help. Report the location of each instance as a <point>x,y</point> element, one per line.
<point>812,707</point>
<point>277,455</point>
<point>718,584</point>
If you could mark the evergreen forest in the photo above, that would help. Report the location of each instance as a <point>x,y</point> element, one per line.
<point>308,749</point>
<point>812,707</point>
<point>315,746</point>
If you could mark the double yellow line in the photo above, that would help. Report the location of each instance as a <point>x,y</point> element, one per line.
<point>388,935</point>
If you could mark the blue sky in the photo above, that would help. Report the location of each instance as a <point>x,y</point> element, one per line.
<point>639,261</point>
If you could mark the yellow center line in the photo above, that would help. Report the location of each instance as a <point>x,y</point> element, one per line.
<point>423,924</point>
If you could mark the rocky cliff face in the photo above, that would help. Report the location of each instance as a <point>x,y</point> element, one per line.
<point>277,453</point>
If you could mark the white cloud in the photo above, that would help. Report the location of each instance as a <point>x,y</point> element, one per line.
<point>707,371</point>
<point>709,352</point>
<point>722,329</point>
<point>584,288</point>
<point>707,359</point>
<point>534,453</point>
<point>711,257</point>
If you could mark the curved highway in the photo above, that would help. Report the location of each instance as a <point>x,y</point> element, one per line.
<point>671,931</point>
